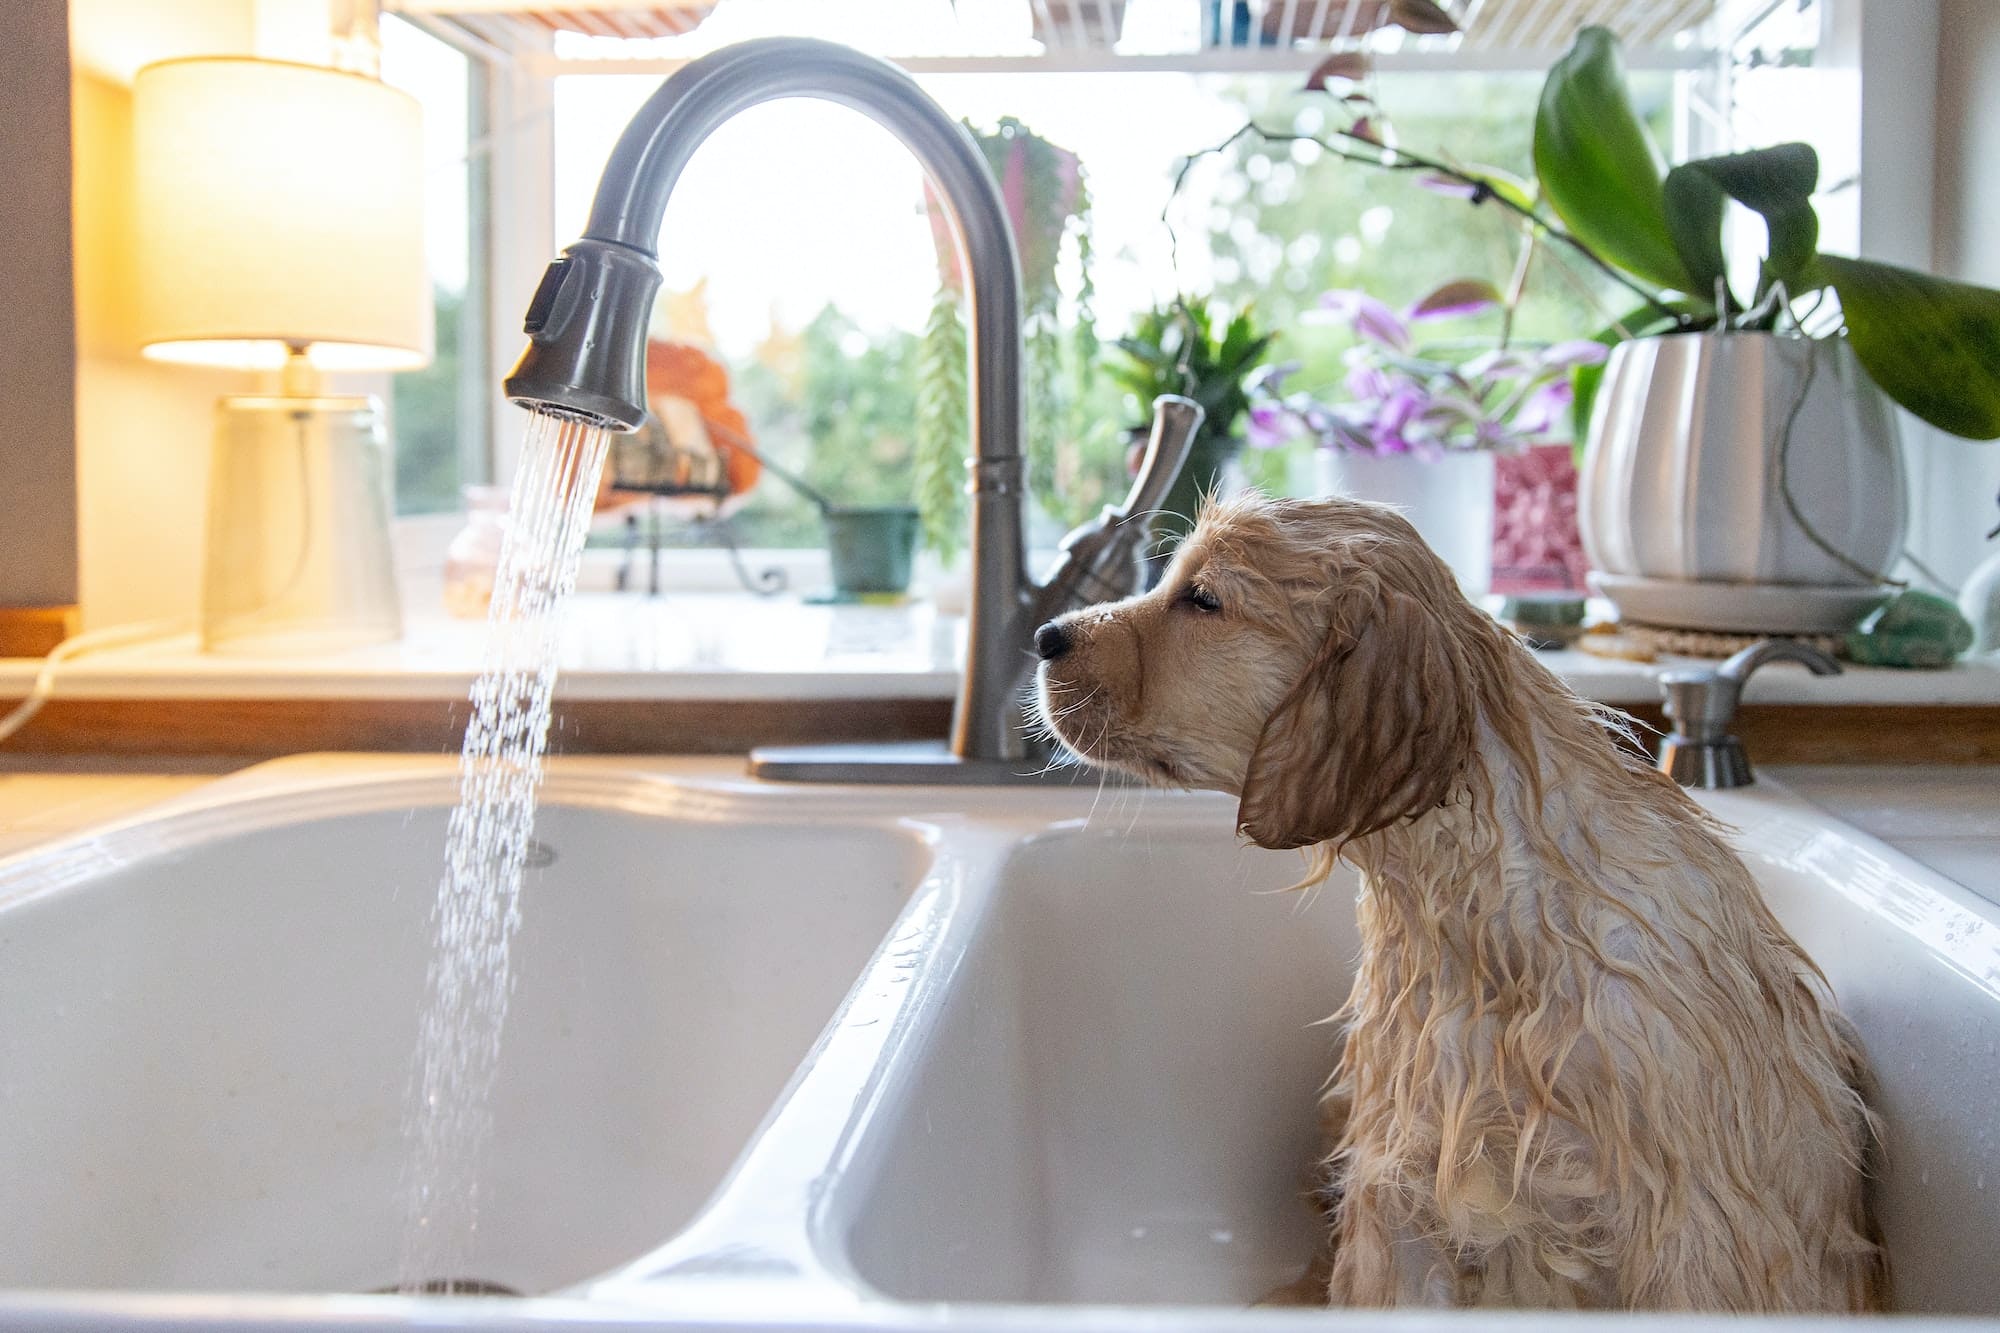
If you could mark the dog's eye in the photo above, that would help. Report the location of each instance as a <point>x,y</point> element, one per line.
<point>1201,599</point>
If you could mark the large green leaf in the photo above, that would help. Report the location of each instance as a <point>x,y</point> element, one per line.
<point>1695,204</point>
<point>1776,182</point>
<point>1598,169</point>
<point>1931,343</point>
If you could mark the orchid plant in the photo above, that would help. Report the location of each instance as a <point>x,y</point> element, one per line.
<point>1403,398</point>
<point>1603,196</point>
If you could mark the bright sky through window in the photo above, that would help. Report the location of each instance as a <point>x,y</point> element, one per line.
<point>797,204</point>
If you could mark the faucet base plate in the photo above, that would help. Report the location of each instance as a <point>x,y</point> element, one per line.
<point>916,764</point>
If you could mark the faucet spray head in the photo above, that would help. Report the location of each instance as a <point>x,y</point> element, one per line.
<point>586,329</point>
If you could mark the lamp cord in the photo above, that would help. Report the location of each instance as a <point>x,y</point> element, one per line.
<point>76,645</point>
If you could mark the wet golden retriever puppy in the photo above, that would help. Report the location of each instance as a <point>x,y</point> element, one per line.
<point>1584,1067</point>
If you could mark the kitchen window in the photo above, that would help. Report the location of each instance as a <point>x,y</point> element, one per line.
<point>798,246</point>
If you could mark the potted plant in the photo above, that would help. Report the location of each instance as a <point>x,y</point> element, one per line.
<point>1743,471</point>
<point>1419,425</point>
<point>1186,348</point>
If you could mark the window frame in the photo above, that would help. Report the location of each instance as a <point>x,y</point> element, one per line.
<point>473,392</point>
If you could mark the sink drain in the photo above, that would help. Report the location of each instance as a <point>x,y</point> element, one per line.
<point>450,1286</point>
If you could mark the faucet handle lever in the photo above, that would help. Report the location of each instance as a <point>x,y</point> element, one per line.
<point>1702,701</point>
<point>1099,561</point>
<point>1701,704</point>
<point>1175,421</point>
<point>1739,666</point>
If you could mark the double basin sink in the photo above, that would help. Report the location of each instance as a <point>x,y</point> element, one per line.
<point>780,1056</point>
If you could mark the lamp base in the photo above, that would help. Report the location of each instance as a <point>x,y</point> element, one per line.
<point>298,557</point>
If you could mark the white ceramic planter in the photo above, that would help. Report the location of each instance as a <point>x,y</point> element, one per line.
<point>1681,483</point>
<point>1448,500</point>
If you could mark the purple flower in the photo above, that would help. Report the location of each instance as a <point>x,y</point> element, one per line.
<point>1423,402</point>
<point>1576,352</point>
<point>1466,296</point>
<point>1269,381</point>
<point>1269,427</point>
<point>1496,365</point>
<point>1369,317</point>
<point>1395,409</point>
<point>1492,435</point>
<point>1364,381</point>
<point>1545,408</point>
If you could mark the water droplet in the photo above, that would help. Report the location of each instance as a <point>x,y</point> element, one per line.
<point>1221,1237</point>
<point>1138,1233</point>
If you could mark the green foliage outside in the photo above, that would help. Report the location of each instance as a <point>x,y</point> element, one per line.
<point>858,409</point>
<point>846,426</point>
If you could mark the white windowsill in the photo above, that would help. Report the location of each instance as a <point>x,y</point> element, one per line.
<point>729,645</point>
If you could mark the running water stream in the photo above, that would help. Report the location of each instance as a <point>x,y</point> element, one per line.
<point>447,1118</point>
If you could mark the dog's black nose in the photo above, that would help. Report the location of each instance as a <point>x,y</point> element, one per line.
<point>1051,641</point>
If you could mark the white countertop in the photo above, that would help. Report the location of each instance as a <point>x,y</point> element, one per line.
<point>733,646</point>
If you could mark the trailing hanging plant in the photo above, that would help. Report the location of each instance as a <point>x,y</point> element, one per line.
<point>1047,202</point>
<point>942,428</point>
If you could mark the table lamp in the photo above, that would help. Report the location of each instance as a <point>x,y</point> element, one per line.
<point>279,212</point>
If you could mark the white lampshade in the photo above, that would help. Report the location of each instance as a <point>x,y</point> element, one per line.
<point>279,203</point>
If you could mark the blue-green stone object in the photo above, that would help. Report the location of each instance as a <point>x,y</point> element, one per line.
<point>1911,629</point>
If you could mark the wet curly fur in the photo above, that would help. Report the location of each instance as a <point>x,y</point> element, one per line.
<point>1584,1067</point>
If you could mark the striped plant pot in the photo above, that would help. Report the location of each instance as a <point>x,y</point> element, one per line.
<point>1684,480</point>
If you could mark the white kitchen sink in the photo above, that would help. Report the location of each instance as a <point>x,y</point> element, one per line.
<point>206,1027</point>
<point>1064,1076</point>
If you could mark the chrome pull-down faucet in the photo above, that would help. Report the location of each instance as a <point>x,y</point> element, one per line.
<point>586,358</point>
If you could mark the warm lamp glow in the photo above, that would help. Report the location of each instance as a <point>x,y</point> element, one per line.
<point>279,204</point>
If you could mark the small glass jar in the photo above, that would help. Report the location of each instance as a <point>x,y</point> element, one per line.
<point>298,556</point>
<point>472,561</point>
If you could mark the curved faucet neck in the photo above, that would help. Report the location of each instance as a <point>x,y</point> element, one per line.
<point>631,203</point>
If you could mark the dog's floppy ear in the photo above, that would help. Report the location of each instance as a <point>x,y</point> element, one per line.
<point>1378,728</point>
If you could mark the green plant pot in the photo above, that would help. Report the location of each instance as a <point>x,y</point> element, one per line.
<point>871,547</point>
